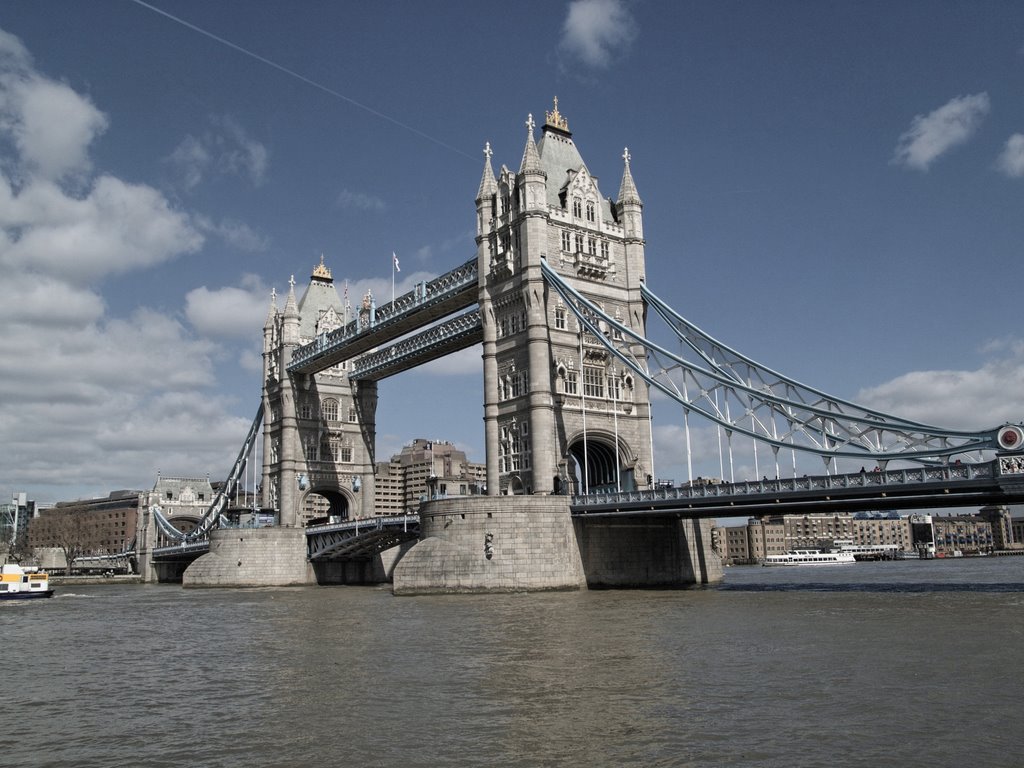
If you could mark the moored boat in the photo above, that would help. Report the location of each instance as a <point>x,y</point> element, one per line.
<point>17,583</point>
<point>810,557</point>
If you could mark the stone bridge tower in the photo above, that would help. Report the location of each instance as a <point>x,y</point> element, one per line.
<point>562,414</point>
<point>318,430</point>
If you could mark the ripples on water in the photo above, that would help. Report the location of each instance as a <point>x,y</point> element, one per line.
<point>874,664</point>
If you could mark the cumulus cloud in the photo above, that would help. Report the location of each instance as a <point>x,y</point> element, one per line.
<point>969,400</point>
<point>360,201</point>
<point>90,401</point>
<point>229,312</point>
<point>596,31</point>
<point>1011,160</point>
<point>934,134</point>
<point>224,150</point>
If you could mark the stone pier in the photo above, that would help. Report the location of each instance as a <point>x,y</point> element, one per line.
<point>252,557</point>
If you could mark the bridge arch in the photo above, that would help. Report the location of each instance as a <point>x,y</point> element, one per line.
<point>609,463</point>
<point>326,501</point>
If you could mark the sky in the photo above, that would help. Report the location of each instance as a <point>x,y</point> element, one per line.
<point>833,189</point>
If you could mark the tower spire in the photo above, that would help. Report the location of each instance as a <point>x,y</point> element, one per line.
<point>488,186</point>
<point>627,190</point>
<point>531,159</point>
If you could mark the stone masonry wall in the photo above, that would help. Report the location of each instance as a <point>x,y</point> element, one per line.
<point>252,557</point>
<point>529,539</point>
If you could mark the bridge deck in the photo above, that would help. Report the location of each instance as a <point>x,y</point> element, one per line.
<point>916,488</point>
<point>426,304</point>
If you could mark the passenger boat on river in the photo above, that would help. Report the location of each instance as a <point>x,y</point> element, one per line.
<point>810,557</point>
<point>17,583</point>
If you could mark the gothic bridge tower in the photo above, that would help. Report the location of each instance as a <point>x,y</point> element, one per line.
<point>562,415</point>
<point>319,429</point>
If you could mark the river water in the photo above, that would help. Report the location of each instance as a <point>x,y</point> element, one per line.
<point>874,664</point>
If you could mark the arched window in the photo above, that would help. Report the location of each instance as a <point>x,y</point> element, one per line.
<point>577,207</point>
<point>590,211</point>
<point>329,409</point>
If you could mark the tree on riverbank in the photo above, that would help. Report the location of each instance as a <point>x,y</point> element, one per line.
<point>70,530</point>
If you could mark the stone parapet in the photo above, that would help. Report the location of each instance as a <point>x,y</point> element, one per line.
<point>492,544</point>
<point>252,557</point>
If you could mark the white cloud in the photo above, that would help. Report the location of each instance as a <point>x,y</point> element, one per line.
<point>229,312</point>
<point>226,150</point>
<point>595,31</point>
<point>237,234</point>
<point>117,227</point>
<point>968,400</point>
<point>1011,160</point>
<point>360,201</point>
<point>89,401</point>
<point>49,124</point>
<point>931,135</point>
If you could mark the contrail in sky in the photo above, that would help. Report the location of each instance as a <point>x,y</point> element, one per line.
<point>303,78</point>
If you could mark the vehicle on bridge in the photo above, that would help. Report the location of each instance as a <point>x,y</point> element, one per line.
<point>17,583</point>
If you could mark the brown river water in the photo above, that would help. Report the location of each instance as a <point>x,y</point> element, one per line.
<point>874,664</point>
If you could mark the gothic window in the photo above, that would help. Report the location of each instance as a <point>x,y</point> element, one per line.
<point>577,207</point>
<point>329,409</point>
<point>614,386</point>
<point>579,243</point>
<point>604,250</point>
<point>571,383</point>
<point>311,449</point>
<point>346,454</point>
<point>566,240</point>
<point>591,246</point>
<point>305,411</point>
<point>327,450</point>
<point>590,211</point>
<point>593,381</point>
<point>352,413</point>
<point>504,202</point>
<point>560,318</point>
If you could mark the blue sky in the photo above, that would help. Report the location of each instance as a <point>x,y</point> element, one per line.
<point>831,188</point>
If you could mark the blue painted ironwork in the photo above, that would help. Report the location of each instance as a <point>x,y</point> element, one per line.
<point>750,399</point>
<point>353,539</point>
<point>952,485</point>
<point>184,549</point>
<point>213,513</point>
<point>442,339</point>
<point>441,296</point>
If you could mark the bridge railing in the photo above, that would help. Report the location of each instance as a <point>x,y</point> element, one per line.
<point>864,479</point>
<point>424,294</point>
<point>365,524</point>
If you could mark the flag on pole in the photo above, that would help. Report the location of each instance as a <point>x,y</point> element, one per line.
<point>395,257</point>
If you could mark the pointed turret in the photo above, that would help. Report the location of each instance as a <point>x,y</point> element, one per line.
<point>531,159</point>
<point>488,186</point>
<point>629,207</point>
<point>532,177</point>
<point>627,190</point>
<point>485,196</point>
<point>291,316</point>
<point>272,313</point>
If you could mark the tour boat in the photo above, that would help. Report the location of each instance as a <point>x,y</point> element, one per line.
<point>17,583</point>
<point>810,557</point>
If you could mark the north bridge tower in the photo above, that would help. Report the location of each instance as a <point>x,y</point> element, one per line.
<point>562,415</point>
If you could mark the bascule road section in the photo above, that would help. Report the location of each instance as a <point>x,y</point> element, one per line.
<point>557,300</point>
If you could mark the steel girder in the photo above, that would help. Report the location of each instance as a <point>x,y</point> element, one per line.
<point>428,302</point>
<point>750,399</point>
<point>442,339</point>
<point>211,518</point>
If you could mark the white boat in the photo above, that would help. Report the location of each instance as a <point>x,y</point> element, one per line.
<point>17,583</point>
<point>810,557</point>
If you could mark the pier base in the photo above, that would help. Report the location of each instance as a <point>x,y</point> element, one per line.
<point>252,557</point>
<point>492,544</point>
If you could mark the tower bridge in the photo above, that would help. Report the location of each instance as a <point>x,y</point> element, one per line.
<point>557,299</point>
